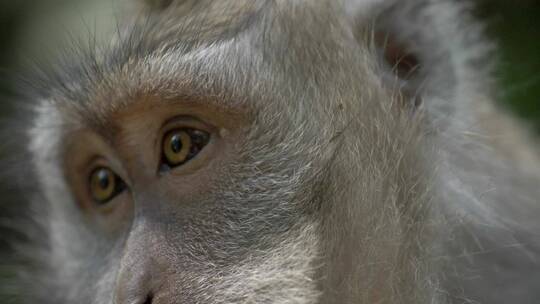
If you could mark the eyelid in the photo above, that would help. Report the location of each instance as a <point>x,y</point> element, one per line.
<point>185,121</point>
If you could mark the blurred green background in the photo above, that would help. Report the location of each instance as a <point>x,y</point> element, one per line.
<point>515,26</point>
<point>27,27</point>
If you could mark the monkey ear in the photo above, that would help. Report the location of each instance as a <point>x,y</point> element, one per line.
<point>432,52</point>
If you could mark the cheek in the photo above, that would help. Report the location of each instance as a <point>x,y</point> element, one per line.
<point>192,191</point>
<point>274,275</point>
<point>89,275</point>
<point>283,271</point>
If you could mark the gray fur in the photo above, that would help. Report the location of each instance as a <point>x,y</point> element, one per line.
<point>341,191</point>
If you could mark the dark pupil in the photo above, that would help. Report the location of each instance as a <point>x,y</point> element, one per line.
<point>176,144</point>
<point>103,179</point>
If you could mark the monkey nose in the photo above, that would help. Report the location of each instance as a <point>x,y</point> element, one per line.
<point>132,292</point>
<point>125,295</point>
<point>142,271</point>
<point>149,299</point>
<point>134,284</point>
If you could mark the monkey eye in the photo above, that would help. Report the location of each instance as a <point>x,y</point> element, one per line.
<point>181,145</point>
<point>105,185</point>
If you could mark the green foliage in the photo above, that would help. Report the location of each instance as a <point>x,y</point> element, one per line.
<point>515,25</point>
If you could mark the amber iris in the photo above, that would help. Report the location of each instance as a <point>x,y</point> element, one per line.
<point>181,145</point>
<point>104,185</point>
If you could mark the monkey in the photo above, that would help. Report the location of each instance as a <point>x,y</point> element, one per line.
<point>281,151</point>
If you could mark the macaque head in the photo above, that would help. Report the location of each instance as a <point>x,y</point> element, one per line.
<point>245,152</point>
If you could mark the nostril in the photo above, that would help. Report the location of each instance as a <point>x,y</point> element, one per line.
<point>149,299</point>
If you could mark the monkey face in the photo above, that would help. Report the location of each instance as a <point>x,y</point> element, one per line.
<point>237,152</point>
<point>193,188</point>
<point>173,184</point>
